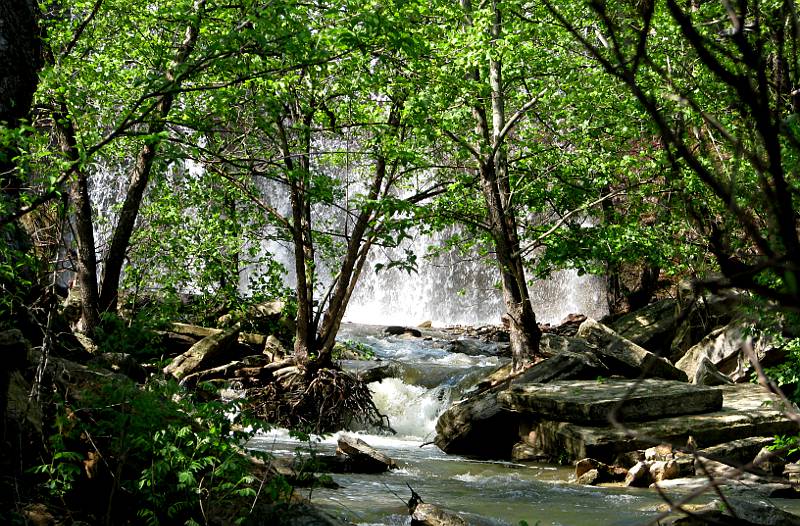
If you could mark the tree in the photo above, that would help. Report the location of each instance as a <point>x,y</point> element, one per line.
<point>328,123</point>
<point>726,114</point>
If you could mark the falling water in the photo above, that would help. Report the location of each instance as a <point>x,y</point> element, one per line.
<point>450,289</point>
<point>446,289</point>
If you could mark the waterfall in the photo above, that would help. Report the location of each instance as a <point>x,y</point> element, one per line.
<point>450,289</point>
<point>446,289</point>
<point>412,409</point>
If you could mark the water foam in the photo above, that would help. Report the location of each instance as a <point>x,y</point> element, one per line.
<point>412,409</point>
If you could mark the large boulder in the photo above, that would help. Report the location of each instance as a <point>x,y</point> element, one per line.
<point>700,312</point>
<point>593,402</point>
<point>708,374</point>
<point>725,348</point>
<point>204,354</point>
<point>652,327</point>
<point>477,426</point>
<point>624,357</point>
<point>364,458</point>
<point>747,411</point>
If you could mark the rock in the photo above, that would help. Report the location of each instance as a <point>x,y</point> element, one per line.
<point>524,452</point>
<point>193,331</point>
<point>427,324</point>
<point>365,458</point>
<point>736,452</point>
<point>86,343</point>
<point>638,476</point>
<point>630,359</point>
<point>472,347</point>
<point>203,354</point>
<point>379,371</point>
<point>477,426</point>
<point>652,327</point>
<point>747,489</point>
<point>176,343</point>
<point>699,314</point>
<point>565,365</point>
<point>664,470</point>
<point>588,478</point>
<point>659,452</point>
<point>708,374</point>
<point>589,472</point>
<point>724,348</point>
<point>719,470</point>
<point>38,515</point>
<point>398,330</point>
<point>20,405</point>
<point>748,410</point>
<point>770,461</point>
<point>792,472</point>
<point>121,363</point>
<point>432,515</point>
<point>592,402</point>
<point>273,348</point>
<point>628,459</point>
<point>748,512</point>
<point>268,309</point>
<point>586,464</point>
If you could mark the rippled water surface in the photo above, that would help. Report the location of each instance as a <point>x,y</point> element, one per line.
<point>492,493</point>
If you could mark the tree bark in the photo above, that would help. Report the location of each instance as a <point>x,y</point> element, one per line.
<point>84,230</point>
<point>524,331</point>
<point>140,173</point>
<point>20,61</point>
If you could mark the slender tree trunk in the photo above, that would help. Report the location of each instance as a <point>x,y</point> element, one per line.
<point>357,248</point>
<point>84,230</point>
<point>20,60</point>
<point>140,174</point>
<point>524,331</point>
<point>298,168</point>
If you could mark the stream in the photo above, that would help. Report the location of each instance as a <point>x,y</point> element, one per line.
<point>491,493</point>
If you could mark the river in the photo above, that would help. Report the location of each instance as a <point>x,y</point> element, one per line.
<point>492,493</point>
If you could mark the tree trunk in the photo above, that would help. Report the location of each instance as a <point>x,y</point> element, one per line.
<point>84,230</point>
<point>524,331</point>
<point>357,247</point>
<point>140,174</point>
<point>20,61</point>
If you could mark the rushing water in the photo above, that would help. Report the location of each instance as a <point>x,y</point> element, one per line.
<point>494,493</point>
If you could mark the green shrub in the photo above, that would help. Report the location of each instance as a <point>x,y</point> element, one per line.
<point>160,456</point>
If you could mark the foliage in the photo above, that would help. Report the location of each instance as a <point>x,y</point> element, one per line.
<point>167,456</point>
<point>136,337</point>
<point>788,445</point>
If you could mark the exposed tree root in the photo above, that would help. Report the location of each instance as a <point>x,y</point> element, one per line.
<point>330,400</point>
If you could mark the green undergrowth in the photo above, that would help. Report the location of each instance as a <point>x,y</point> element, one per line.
<point>119,452</point>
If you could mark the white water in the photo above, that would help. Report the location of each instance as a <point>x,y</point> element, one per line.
<point>447,289</point>
<point>455,292</point>
<point>484,493</point>
<point>412,409</point>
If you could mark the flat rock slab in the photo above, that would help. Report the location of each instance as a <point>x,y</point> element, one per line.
<point>747,411</point>
<point>592,402</point>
